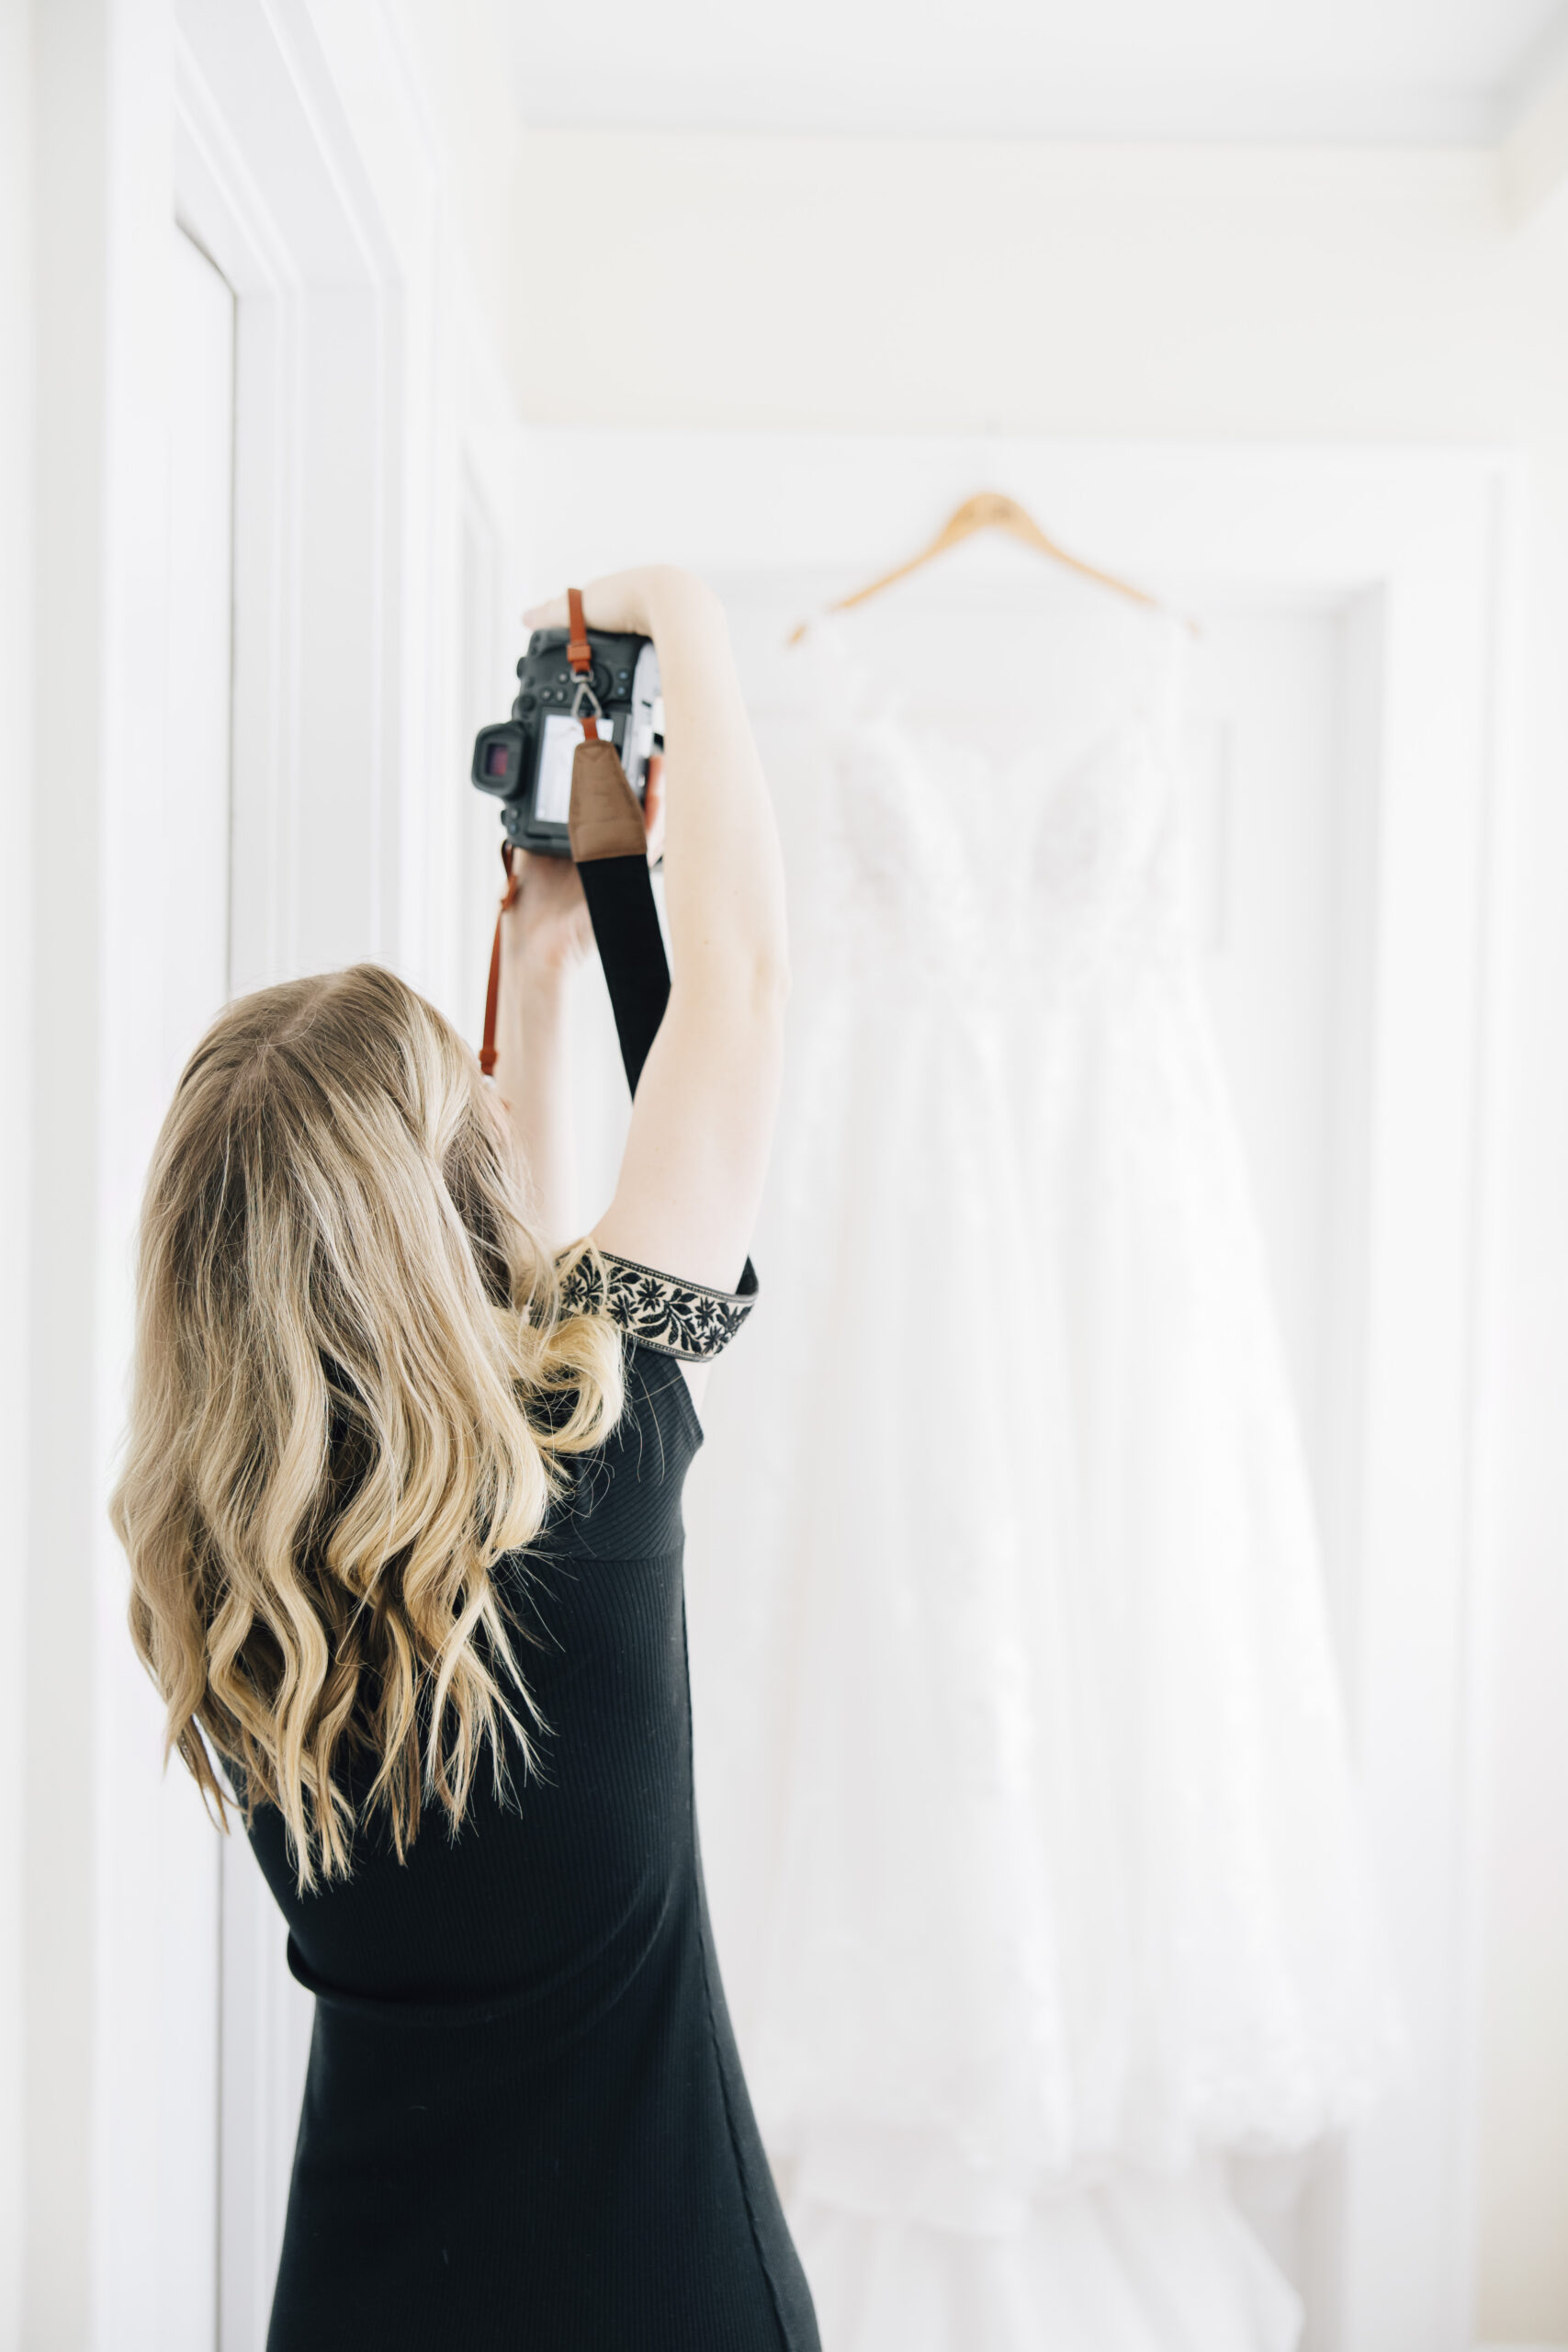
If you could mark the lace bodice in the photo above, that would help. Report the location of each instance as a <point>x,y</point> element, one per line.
<point>1054,862</point>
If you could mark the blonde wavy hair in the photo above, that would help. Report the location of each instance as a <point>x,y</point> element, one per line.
<point>355,1381</point>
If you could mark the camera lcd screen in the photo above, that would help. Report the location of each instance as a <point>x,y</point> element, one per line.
<point>552,794</point>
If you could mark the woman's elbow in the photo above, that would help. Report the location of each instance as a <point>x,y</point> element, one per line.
<point>755,995</point>
<point>768,985</point>
<point>744,992</point>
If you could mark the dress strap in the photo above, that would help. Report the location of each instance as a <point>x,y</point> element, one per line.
<point>679,1318</point>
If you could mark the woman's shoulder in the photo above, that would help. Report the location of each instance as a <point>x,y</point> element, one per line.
<point>624,1499</point>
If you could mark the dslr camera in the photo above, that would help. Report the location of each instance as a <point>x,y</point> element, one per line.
<point>526,759</point>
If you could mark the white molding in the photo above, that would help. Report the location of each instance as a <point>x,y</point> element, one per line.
<point>309,170</point>
<point>18,588</point>
<point>216,197</point>
<point>1486,1498</point>
<point>1410,2202</point>
<point>271,182</point>
<point>286,136</point>
<point>320,585</point>
<point>1419,548</point>
<point>1533,142</point>
<point>1533,155</point>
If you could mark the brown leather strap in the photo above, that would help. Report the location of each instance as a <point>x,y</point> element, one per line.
<point>604,819</point>
<point>493,993</point>
<point>580,655</point>
<point>607,821</point>
<point>578,652</point>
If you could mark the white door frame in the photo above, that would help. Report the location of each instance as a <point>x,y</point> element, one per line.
<point>290,138</point>
<point>319,362</point>
<point>1420,548</point>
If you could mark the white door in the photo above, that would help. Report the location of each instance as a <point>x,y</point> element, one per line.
<point>265,2016</point>
<point>1274,857</point>
<point>1267,810</point>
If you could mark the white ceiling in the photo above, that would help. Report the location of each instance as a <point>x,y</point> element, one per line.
<point>1400,70</point>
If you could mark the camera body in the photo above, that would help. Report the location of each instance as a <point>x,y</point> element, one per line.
<point>526,761</point>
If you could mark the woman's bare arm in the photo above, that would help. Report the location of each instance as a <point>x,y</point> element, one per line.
<point>696,1153</point>
<point>544,935</point>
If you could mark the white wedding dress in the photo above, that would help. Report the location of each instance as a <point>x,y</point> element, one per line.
<point>1029,1829</point>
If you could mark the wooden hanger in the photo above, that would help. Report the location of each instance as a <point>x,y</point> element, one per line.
<point>988,510</point>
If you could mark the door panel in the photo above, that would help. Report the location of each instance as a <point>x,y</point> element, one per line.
<point>1264,753</point>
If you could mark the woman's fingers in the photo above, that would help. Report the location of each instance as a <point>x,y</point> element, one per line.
<point>549,921</point>
<point>615,603</point>
<point>653,809</point>
<point>621,599</point>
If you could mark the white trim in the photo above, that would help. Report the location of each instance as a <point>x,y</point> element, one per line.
<point>18,587</point>
<point>1533,149</point>
<point>320,589</point>
<point>286,136</point>
<point>372,405</point>
<point>1486,1499</point>
<point>1410,2198</point>
<point>311,181</point>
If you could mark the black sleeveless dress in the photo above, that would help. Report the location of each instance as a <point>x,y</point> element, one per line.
<point>525,2120</point>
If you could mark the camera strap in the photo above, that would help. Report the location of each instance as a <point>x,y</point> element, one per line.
<point>492,991</point>
<point>609,847</point>
<point>580,655</point>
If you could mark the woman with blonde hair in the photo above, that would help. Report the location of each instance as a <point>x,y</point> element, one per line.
<point>402,1505</point>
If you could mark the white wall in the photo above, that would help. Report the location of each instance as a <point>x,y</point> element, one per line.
<point>15,1065</point>
<point>456,60</point>
<point>70,324</point>
<point>889,286</point>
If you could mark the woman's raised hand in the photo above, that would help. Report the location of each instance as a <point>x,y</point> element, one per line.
<point>642,600</point>
<point>545,929</point>
<point>697,1146</point>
